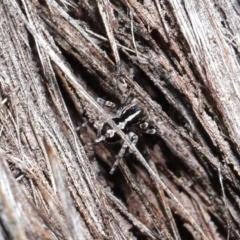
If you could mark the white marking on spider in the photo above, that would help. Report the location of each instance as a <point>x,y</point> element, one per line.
<point>102,138</point>
<point>110,133</point>
<point>122,125</point>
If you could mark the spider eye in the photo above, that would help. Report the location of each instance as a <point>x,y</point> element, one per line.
<point>151,131</point>
<point>143,125</point>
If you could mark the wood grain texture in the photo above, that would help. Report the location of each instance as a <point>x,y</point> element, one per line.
<point>180,59</point>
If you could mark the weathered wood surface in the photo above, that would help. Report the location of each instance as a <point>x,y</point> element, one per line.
<point>180,59</point>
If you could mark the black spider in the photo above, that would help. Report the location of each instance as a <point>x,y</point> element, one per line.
<point>132,120</point>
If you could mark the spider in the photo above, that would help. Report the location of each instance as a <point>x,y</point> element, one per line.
<point>132,119</point>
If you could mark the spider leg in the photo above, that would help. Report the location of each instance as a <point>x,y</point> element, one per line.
<point>144,126</point>
<point>81,126</point>
<point>98,125</point>
<point>106,103</point>
<point>133,138</point>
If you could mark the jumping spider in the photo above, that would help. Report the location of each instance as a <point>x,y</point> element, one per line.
<point>132,119</point>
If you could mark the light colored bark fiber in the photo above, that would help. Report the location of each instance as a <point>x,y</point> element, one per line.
<point>179,60</point>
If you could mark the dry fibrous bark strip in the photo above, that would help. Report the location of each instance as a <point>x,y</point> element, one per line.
<point>60,147</point>
<point>186,81</point>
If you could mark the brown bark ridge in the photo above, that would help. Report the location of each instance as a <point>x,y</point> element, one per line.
<point>177,59</point>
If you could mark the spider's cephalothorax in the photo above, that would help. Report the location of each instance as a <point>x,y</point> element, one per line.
<point>132,120</point>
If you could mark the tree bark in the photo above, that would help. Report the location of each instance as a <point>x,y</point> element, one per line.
<point>178,61</point>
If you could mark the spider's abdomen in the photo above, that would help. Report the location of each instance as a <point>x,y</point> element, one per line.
<point>132,114</point>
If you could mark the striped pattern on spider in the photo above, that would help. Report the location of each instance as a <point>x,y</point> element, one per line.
<point>132,119</point>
